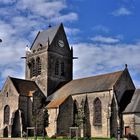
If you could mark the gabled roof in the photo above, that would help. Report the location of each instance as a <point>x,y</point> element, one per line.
<point>44,36</point>
<point>134,105</point>
<point>24,87</point>
<point>86,85</point>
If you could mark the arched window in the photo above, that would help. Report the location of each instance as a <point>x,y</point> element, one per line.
<point>33,68</point>
<point>6,114</point>
<point>62,69</point>
<point>38,66</point>
<point>57,68</point>
<point>97,112</point>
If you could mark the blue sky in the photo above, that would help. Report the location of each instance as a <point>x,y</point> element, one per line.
<point>105,34</point>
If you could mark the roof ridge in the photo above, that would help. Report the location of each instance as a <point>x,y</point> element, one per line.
<point>49,33</point>
<point>52,28</point>
<point>21,79</point>
<point>88,85</point>
<point>132,106</point>
<point>99,75</point>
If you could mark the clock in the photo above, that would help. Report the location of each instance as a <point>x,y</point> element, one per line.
<point>60,43</point>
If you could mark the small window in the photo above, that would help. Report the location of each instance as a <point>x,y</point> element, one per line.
<point>57,68</point>
<point>97,116</point>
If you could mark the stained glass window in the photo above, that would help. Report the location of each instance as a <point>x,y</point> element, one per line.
<point>6,114</point>
<point>97,112</point>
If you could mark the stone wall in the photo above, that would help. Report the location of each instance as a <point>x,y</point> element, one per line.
<point>23,106</point>
<point>65,117</point>
<point>137,124</point>
<point>51,130</point>
<point>133,122</point>
<point>60,122</point>
<point>41,79</point>
<point>37,112</point>
<point>105,98</point>
<point>129,123</point>
<point>10,97</point>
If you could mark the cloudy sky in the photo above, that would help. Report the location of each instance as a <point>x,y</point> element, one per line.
<point>105,34</point>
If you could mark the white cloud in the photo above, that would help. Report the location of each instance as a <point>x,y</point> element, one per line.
<point>101,28</point>
<point>64,18</point>
<point>103,39</point>
<point>19,23</point>
<point>42,7</point>
<point>7,1</point>
<point>47,9</point>
<point>121,12</point>
<point>71,31</point>
<point>94,59</point>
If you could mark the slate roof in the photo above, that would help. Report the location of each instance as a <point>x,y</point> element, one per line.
<point>134,105</point>
<point>56,103</point>
<point>43,36</point>
<point>24,87</point>
<point>86,85</point>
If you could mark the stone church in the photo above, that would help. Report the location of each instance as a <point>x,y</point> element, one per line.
<point>91,107</point>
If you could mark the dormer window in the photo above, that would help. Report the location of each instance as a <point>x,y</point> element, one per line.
<point>41,45</point>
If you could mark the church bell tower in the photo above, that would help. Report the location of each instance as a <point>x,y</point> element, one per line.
<point>49,60</point>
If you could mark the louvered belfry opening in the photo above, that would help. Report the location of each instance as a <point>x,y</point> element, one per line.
<point>57,68</point>
<point>38,66</point>
<point>35,67</point>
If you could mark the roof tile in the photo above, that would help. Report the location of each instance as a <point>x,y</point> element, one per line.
<point>87,85</point>
<point>134,105</point>
<point>24,87</point>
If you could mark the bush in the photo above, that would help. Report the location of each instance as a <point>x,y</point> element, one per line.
<point>132,137</point>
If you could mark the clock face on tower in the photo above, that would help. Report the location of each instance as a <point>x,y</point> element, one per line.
<point>60,43</point>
